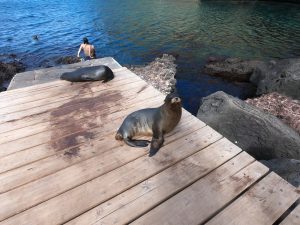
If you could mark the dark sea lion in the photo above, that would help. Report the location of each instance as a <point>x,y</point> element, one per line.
<point>93,73</point>
<point>151,121</point>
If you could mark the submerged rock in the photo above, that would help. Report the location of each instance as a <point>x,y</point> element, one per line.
<point>261,134</point>
<point>284,108</point>
<point>160,73</point>
<point>233,69</point>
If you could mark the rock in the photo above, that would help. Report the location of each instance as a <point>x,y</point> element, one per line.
<point>3,89</point>
<point>283,107</point>
<point>160,73</point>
<point>8,70</point>
<point>233,69</point>
<point>281,76</point>
<point>68,60</point>
<point>288,169</point>
<point>261,134</point>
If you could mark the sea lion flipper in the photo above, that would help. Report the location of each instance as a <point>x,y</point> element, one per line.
<point>136,143</point>
<point>156,142</point>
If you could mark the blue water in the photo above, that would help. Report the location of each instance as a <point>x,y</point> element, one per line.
<point>135,32</point>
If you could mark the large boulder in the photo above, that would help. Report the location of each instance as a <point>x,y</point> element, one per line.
<point>283,107</point>
<point>261,134</point>
<point>289,169</point>
<point>281,76</point>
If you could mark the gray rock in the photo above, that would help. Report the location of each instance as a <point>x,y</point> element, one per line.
<point>281,76</point>
<point>232,68</point>
<point>261,134</point>
<point>8,70</point>
<point>288,169</point>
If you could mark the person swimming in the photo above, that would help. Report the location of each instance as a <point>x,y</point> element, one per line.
<point>88,49</point>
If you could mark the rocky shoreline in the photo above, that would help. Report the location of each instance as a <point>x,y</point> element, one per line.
<point>267,126</point>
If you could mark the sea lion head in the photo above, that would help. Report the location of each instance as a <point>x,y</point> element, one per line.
<point>173,98</point>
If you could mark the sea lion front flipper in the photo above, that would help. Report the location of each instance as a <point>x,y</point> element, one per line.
<point>136,143</point>
<point>155,146</point>
<point>156,142</point>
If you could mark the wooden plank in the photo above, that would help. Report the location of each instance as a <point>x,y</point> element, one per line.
<point>44,137</point>
<point>87,103</point>
<point>141,198</point>
<point>99,111</point>
<point>293,218</point>
<point>75,100</point>
<point>26,150</point>
<point>20,176</point>
<point>82,198</point>
<point>65,93</point>
<point>262,204</point>
<point>45,87</point>
<point>201,200</point>
<point>95,106</point>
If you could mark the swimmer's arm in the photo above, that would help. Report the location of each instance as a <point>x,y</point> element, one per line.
<point>80,48</point>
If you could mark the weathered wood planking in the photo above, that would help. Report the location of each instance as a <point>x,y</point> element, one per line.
<point>143,197</point>
<point>59,162</point>
<point>197,203</point>
<point>293,218</point>
<point>262,204</point>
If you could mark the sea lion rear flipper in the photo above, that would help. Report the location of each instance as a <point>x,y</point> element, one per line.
<point>136,143</point>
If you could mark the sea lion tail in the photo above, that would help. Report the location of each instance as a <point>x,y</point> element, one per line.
<point>136,143</point>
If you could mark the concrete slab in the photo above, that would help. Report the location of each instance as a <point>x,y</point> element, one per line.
<point>40,76</point>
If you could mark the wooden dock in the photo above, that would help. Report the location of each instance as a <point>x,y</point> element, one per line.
<point>60,163</point>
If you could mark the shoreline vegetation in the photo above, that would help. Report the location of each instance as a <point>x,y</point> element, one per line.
<point>275,106</point>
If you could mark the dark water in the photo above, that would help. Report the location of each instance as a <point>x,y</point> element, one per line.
<point>135,32</point>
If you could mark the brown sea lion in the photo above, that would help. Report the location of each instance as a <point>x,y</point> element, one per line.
<point>151,121</point>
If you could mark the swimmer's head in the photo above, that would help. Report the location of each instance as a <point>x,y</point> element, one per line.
<point>85,40</point>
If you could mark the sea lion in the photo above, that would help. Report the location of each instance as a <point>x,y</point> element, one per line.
<point>93,73</point>
<point>151,121</point>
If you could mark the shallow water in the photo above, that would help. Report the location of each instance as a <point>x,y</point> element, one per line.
<point>135,32</point>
